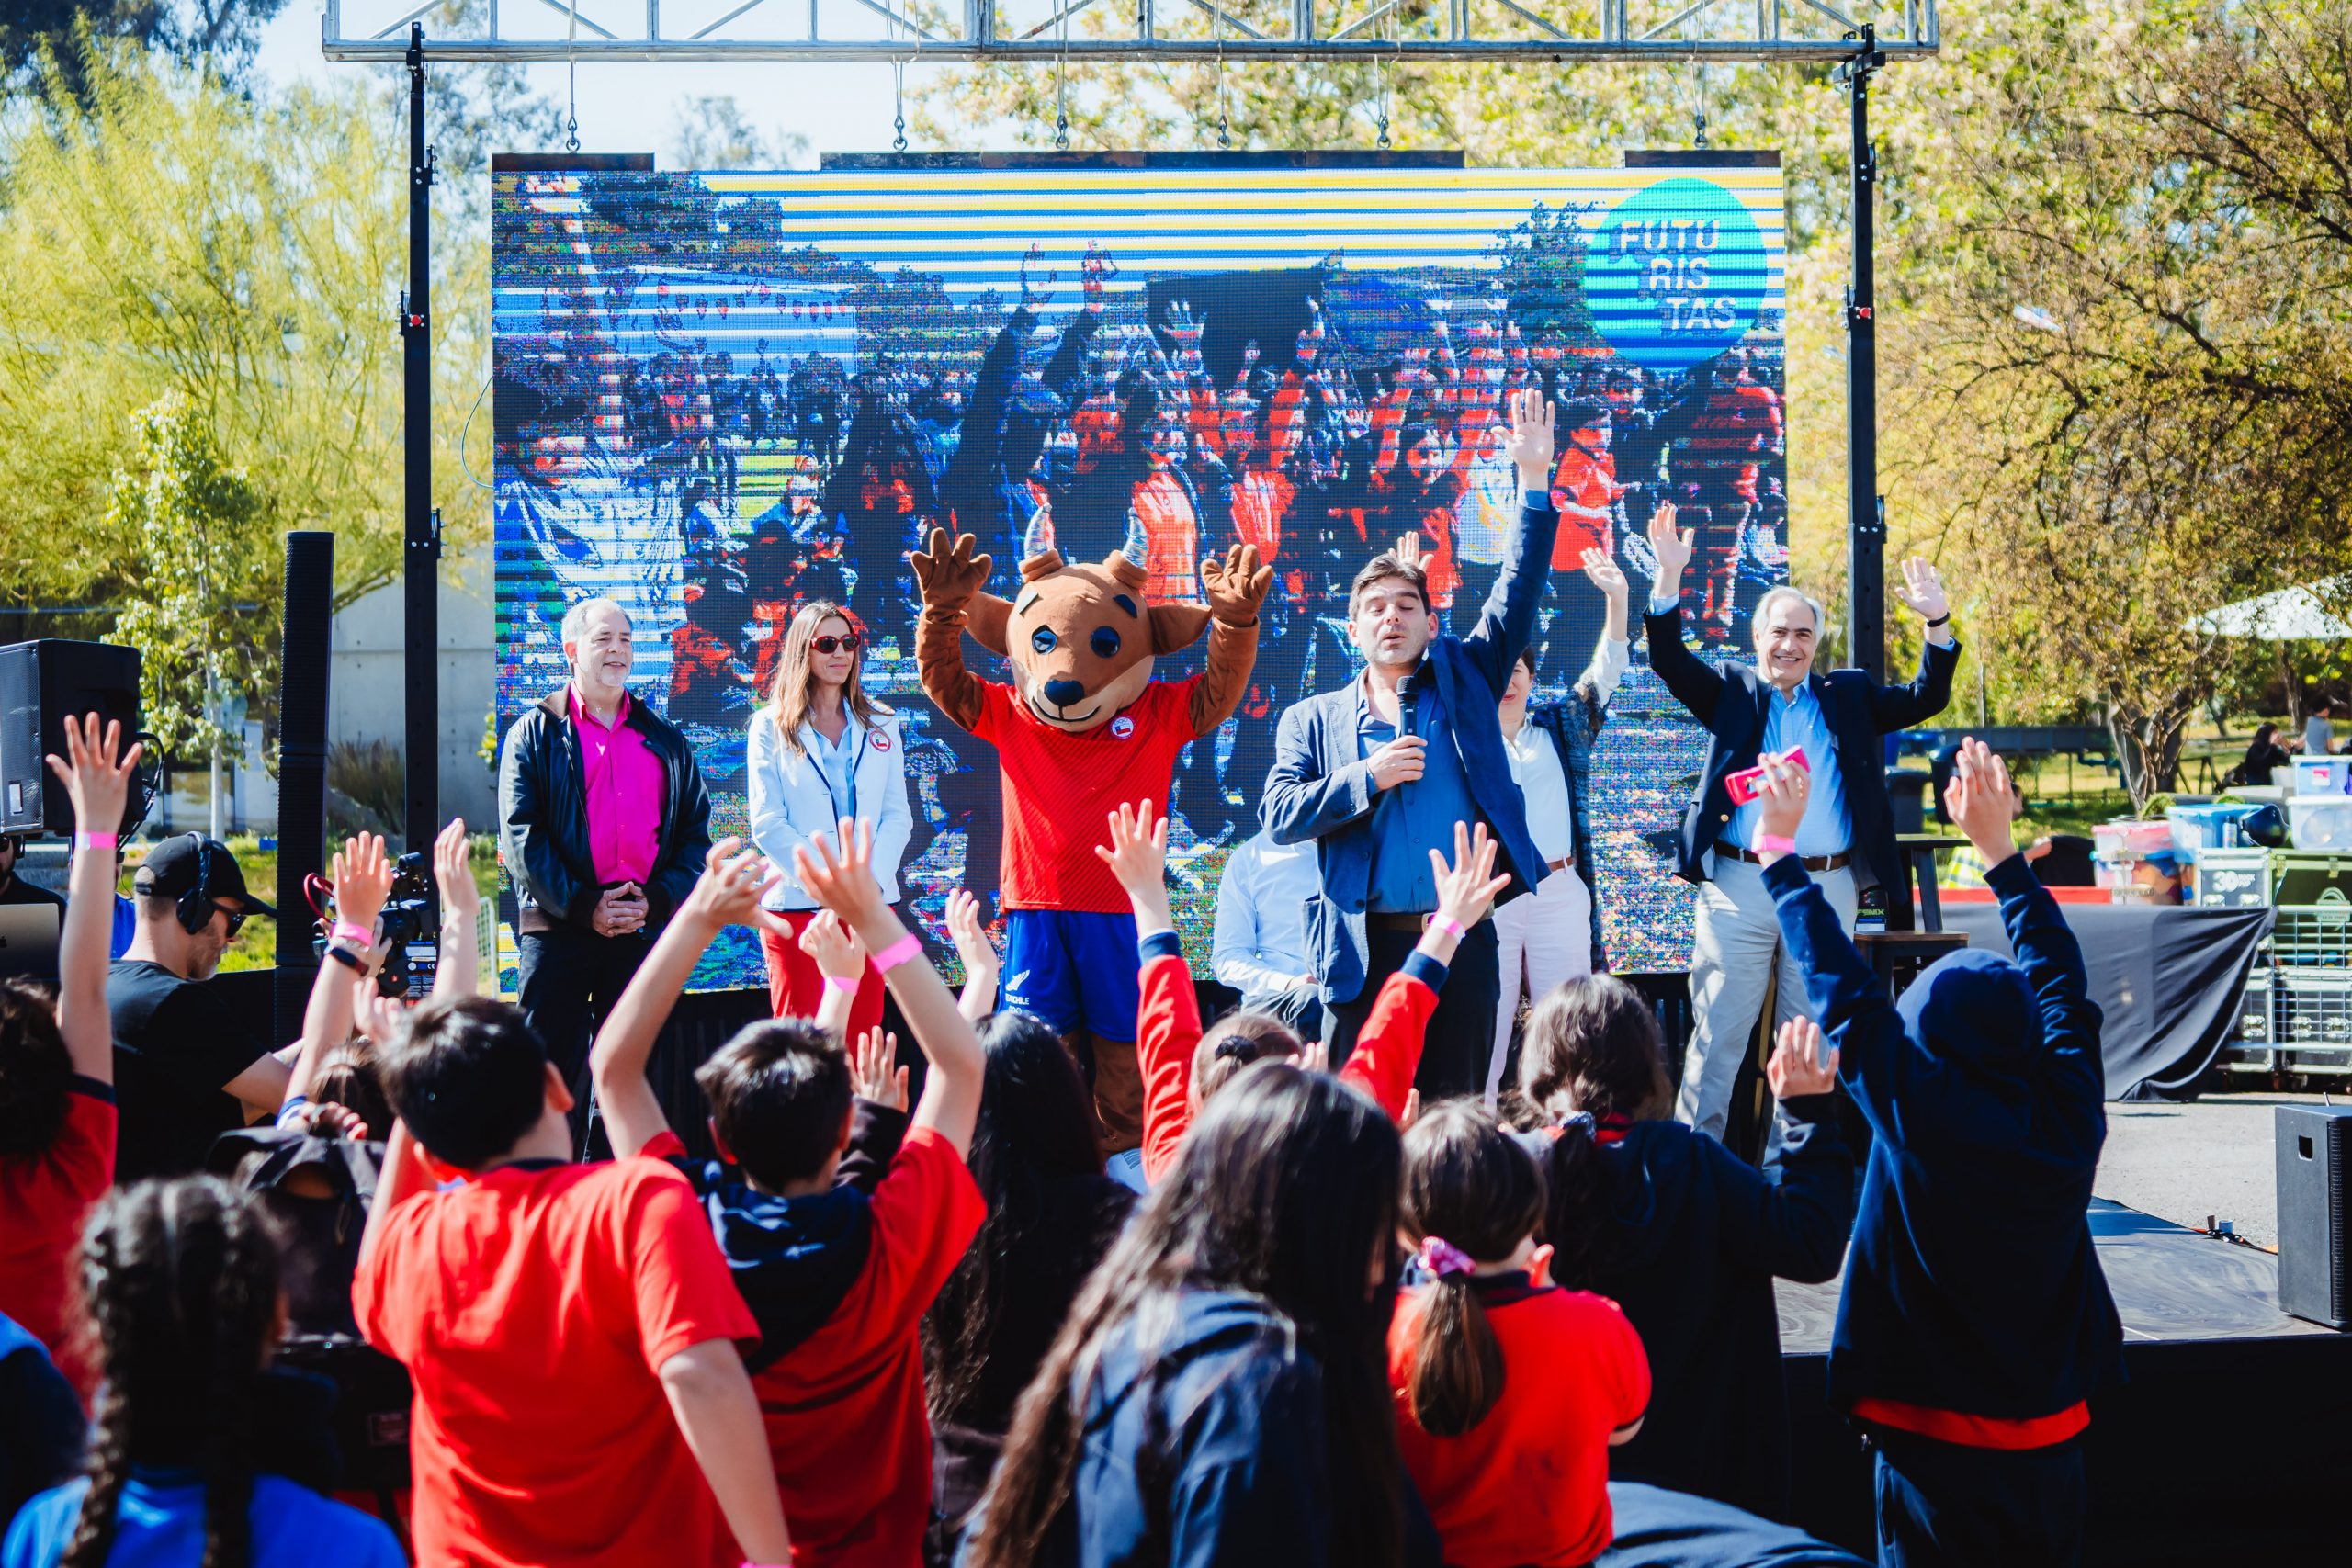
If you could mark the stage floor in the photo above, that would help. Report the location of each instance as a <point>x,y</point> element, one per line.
<point>2170,1283</point>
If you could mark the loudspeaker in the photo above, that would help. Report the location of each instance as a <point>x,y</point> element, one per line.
<point>303,666</point>
<point>2314,1151</point>
<point>40,683</point>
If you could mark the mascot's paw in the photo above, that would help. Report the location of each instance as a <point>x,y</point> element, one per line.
<point>1236,586</point>
<point>949,577</point>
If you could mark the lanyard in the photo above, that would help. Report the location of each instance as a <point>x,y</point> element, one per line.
<point>856,755</point>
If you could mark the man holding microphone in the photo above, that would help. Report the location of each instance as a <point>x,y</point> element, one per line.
<point>1778,706</point>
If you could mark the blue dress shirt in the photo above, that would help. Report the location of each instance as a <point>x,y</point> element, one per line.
<point>1799,721</point>
<point>1413,818</point>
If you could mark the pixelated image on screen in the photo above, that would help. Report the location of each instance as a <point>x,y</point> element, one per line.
<point>720,395</point>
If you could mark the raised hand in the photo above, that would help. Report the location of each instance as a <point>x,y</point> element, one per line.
<point>1310,337</point>
<point>1236,586</point>
<point>380,1018</point>
<point>1466,890</point>
<point>1137,852</point>
<point>874,1072</point>
<point>452,867</point>
<point>970,935</point>
<point>1530,441</point>
<point>834,947</point>
<point>1672,548</point>
<point>363,879</point>
<point>949,575</point>
<point>840,875</point>
<point>1781,795</point>
<point>727,892</point>
<point>94,781</point>
<point>1922,588</point>
<point>1983,801</point>
<point>1409,550</point>
<point>1797,1066</point>
<point>1604,575</point>
<point>1035,293</point>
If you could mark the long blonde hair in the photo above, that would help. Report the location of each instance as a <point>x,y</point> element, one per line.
<point>788,697</point>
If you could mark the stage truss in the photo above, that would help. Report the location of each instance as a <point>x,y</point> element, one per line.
<point>1702,31</point>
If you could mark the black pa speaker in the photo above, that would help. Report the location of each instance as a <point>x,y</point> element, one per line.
<point>2314,1145</point>
<point>40,683</point>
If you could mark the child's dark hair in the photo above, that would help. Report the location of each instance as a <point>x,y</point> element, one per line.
<point>779,1096</point>
<point>35,1069</point>
<point>181,1284</point>
<point>347,1077</point>
<point>468,1075</point>
<point>1235,1042</point>
<point>1470,1183</point>
<point>1591,1049</point>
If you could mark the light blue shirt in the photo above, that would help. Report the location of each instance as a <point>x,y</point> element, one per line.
<point>837,760</point>
<point>1799,721</point>
<point>159,1524</point>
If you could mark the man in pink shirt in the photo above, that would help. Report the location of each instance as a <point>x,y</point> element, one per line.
<point>603,823</point>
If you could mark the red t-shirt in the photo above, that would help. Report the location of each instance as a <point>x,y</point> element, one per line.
<point>44,1198</point>
<point>1530,1483</point>
<point>1059,789</point>
<point>534,1306</point>
<point>847,1426</point>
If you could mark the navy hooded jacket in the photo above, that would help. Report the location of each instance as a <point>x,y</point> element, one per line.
<point>1973,1285</point>
<point>1694,1238</point>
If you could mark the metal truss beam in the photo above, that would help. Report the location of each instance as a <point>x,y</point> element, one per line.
<point>962,31</point>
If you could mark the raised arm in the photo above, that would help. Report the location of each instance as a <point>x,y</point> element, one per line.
<point>981,964</point>
<point>948,575</point>
<point>98,784</point>
<point>363,878</point>
<point>1168,1016</point>
<point>840,875</point>
<point>840,958</point>
<point>1234,586</point>
<point>459,973</point>
<point>728,892</point>
<point>1696,684</point>
<point>1794,1228</point>
<point>1506,622</point>
<point>1924,695</point>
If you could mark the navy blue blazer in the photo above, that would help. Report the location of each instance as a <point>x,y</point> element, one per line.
<point>1729,699</point>
<point>1322,789</point>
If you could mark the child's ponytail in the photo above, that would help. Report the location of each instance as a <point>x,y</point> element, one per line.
<point>1471,1196</point>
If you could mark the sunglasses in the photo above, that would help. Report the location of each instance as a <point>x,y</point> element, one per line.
<point>836,644</point>
<point>236,920</point>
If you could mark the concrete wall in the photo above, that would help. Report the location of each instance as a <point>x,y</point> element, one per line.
<point>369,683</point>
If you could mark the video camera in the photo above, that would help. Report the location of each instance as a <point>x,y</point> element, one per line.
<point>412,927</point>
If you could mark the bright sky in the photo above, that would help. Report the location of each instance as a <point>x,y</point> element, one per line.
<point>631,107</point>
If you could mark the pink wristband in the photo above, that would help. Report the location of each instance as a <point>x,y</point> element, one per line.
<point>93,840</point>
<point>1447,924</point>
<point>1774,843</point>
<point>897,953</point>
<point>357,935</point>
<point>841,983</point>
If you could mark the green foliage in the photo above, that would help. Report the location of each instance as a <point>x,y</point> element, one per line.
<point>206,551</point>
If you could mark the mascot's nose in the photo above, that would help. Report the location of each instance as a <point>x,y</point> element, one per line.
<point>1062,693</point>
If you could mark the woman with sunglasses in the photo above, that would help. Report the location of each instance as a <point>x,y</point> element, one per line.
<point>822,750</point>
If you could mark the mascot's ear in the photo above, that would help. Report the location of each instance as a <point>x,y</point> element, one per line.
<point>1043,564</point>
<point>984,619</point>
<point>1175,626</point>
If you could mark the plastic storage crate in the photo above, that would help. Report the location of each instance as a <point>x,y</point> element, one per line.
<point>2231,879</point>
<point>2130,840</point>
<point>2323,775</point>
<point>2198,828</point>
<point>2322,821</point>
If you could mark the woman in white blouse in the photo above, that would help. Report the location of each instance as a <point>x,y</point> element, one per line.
<point>822,750</point>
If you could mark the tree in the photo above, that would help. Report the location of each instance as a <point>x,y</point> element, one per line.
<point>219,35</point>
<point>210,560</point>
<point>713,132</point>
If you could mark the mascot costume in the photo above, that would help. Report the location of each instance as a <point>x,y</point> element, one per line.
<point>1082,729</point>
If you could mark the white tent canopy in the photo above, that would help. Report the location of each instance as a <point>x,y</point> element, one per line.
<point>2292,614</point>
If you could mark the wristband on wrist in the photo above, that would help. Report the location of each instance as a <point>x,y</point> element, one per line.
<point>352,933</point>
<point>93,840</point>
<point>841,983</point>
<point>897,953</point>
<point>1939,620</point>
<point>1447,924</point>
<point>1775,844</point>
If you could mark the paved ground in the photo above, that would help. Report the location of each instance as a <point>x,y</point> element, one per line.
<point>2208,1156</point>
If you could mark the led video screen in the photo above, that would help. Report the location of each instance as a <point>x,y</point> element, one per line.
<point>720,395</point>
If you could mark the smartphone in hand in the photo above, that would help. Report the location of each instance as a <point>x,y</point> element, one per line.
<point>1748,783</point>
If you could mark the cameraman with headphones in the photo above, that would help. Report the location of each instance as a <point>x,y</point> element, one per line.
<point>184,1067</point>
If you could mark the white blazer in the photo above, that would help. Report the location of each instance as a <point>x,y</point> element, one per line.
<point>790,801</point>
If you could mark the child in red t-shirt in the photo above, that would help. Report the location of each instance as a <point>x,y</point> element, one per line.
<point>570,1329</point>
<point>57,1115</point>
<point>837,1280</point>
<point>1510,1390</point>
<point>1183,1064</point>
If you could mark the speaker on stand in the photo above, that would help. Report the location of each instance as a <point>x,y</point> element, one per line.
<point>301,765</point>
<point>40,683</point>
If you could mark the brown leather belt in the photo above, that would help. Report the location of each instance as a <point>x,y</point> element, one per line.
<point>1566,862</point>
<point>1838,862</point>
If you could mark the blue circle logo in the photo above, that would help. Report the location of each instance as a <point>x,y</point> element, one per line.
<point>1675,274</point>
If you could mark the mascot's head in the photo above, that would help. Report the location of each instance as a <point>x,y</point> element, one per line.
<point>1081,639</point>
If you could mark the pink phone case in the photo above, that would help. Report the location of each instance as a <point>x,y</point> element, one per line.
<point>1743,785</point>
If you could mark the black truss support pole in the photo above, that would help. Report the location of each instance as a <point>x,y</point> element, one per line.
<point>1865,511</point>
<point>421,557</point>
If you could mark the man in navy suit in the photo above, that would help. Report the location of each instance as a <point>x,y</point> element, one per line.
<point>1378,772</point>
<point>1846,838</point>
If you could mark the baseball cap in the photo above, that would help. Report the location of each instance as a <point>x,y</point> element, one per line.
<point>191,862</point>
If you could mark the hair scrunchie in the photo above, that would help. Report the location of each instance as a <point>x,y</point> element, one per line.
<point>1579,1122</point>
<point>1438,1258</point>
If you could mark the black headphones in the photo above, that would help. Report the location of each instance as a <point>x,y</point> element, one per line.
<point>196,907</point>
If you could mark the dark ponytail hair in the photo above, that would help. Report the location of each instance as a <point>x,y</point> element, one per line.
<point>1592,1054</point>
<point>1469,1183</point>
<point>180,1279</point>
<point>1285,1190</point>
<point>1240,1039</point>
